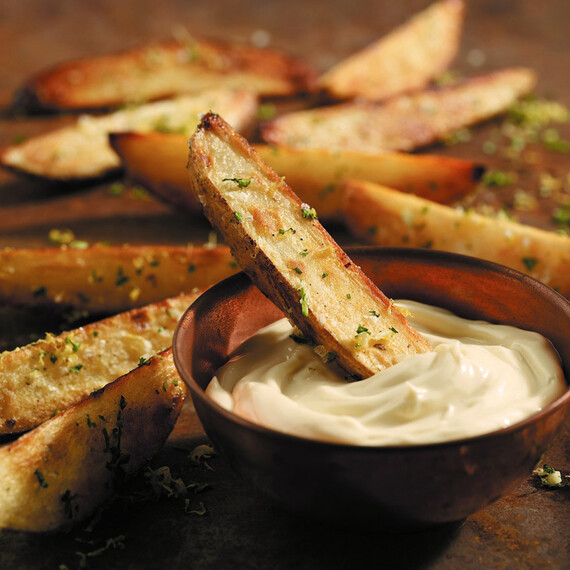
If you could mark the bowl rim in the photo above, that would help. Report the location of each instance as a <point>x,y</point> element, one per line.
<point>243,281</point>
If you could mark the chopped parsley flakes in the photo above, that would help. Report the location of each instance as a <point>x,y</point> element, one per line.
<point>241,182</point>
<point>41,479</point>
<point>529,263</point>
<point>303,301</point>
<point>549,476</point>
<point>307,212</point>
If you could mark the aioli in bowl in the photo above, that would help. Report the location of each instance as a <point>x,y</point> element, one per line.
<point>480,377</point>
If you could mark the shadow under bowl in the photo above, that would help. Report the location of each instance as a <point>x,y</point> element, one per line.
<point>388,487</point>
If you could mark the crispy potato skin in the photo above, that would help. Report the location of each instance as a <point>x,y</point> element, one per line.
<point>158,162</point>
<point>102,279</point>
<point>402,123</point>
<point>405,60</point>
<point>62,471</point>
<point>161,70</point>
<point>382,216</point>
<point>289,255</point>
<point>317,174</point>
<point>81,151</point>
<point>49,375</point>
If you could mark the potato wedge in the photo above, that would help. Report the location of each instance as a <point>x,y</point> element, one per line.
<point>379,215</point>
<point>158,162</point>
<point>82,151</point>
<point>62,471</point>
<point>316,174</point>
<point>281,245</point>
<point>404,60</point>
<point>102,279</point>
<point>402,123</point>
<point>161,70</point>
<point>47,376</point>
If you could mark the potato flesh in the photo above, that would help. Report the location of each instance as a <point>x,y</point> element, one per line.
<point>404,60</point>
<point>43,378</point>
<point>60,472</point>
<point>291,258</point>
<point>382,216</point>
<point>402,123</point>
<point>102,279</point>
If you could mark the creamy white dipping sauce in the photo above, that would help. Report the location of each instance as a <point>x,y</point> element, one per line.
<point>480,377</point>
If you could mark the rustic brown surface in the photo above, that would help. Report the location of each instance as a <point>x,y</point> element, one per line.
<point>527,529</point>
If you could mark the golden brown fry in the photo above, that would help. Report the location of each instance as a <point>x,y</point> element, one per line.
<point>82,150</point>
<point>62,471</point>
<point>161,70</point>
<point>405,60</point>
<point>47,376</point>
<point>102,279</point>
<point>402,123</point>
<point>382,216</point>
<point>280,244</point>
<point>316,174</point>
<point>158,162</point>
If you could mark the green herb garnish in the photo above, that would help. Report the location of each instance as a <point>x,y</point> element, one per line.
<point>308,212</point>
<point>241,182</point>
<point>74,345</point>
<point>529,262</point>
<point>121,278</point>
<point>303,301</point>
<point>41,479</point>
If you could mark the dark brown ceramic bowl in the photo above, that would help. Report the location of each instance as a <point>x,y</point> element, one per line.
<point>396,487</point>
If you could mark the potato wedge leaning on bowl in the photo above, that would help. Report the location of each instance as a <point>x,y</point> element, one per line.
<point>279,242</point>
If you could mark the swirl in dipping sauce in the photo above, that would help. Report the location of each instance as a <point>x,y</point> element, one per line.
<point>480,377</point>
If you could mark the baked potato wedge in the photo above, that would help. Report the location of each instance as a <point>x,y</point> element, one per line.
<point>81,151</point>
<point>41,379</point>
<point>404,60</point>
<point>279,242</point>
<point>402,123</point>
<point>101,279</point>
<point>158,162</point>
<point>382,216</point>
<point>62,471</point>
<point>316,174</point>
<point>161,70</point>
